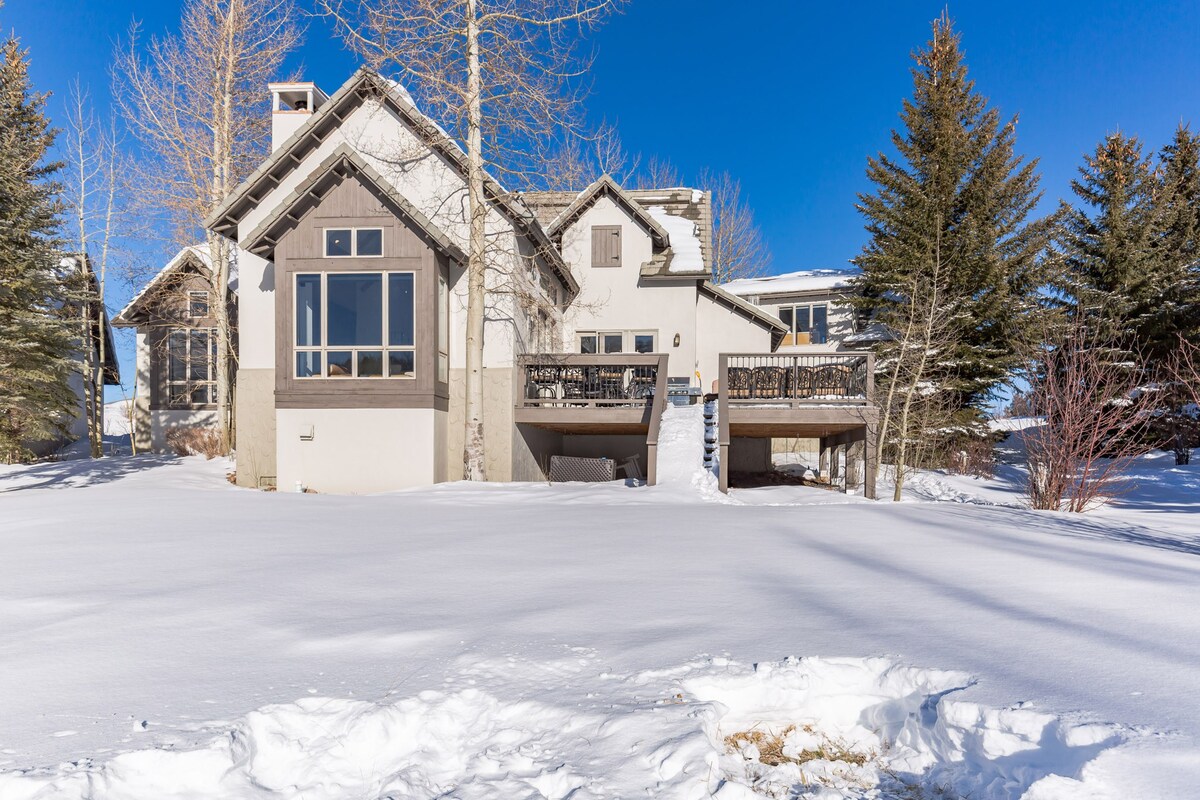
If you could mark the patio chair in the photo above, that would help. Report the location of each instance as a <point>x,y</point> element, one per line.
<point>610,381</point>
<point>739,383</point>
<point>543,382</point>
<point>768,383</point>
<point>799,383</point>
<point>831,381</point>
<point>641,384</point>
<point>573,383</point>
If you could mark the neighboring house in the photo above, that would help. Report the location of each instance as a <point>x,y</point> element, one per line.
<point>176,348</point>
<point>352,241</point>
<point>811,304</point>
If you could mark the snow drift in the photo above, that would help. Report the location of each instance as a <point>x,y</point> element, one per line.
<point>853,728</point>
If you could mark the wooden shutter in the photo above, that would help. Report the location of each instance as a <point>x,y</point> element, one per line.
<point>606,245</point>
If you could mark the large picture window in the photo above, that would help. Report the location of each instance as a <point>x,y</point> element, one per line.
<point>191,367</point>
<point>355,325</point>
<point>807,324</point>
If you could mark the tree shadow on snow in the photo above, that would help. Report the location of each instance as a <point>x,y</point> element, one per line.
<point>79,473</point>
<point>1107,528</point>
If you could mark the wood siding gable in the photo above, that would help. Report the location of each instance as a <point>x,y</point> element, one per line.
<point>407,248</point>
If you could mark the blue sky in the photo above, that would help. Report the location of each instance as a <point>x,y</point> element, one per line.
<point>791,97</point>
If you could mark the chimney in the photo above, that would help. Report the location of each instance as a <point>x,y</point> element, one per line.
<point>291,105</point>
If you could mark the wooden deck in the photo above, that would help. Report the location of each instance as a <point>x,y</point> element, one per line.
<point>578,394</point>
<point>829,397</point>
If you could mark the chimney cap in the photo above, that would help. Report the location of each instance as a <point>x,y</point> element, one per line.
<point>297,96</point>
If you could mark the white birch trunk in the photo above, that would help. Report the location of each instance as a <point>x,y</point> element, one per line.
<point>474,453</point>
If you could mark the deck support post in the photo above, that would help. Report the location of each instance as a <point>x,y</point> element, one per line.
<point>823,460</point>
<point>855,454</point>
<point>723,469</point>
<point>835,460</point>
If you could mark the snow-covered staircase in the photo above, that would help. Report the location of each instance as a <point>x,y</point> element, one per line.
<point>682,456</point>
<point>710,435</point>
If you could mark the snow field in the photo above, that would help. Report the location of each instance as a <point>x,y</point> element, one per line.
<point>537,641</point>
<point>661,733</point>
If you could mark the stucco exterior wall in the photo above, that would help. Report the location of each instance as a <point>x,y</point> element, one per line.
<point>719,329</point>
<point>500,434</point>
<point>356,451</point>
<point>532,448</point>
<point>256,312</point>
<point>254,417</point>
<point>615,298</point>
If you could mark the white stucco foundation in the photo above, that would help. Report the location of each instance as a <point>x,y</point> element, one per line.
<point>358,450</point>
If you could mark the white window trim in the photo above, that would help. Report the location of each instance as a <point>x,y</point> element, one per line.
<point>353,241</point>
<point>633,340</point>
<point>324,349</point>
<point>192,294</point>
<point>627,339</point>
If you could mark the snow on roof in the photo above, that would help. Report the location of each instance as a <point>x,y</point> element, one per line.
<point>200,251</point>
<point>685,243</point>
<point>805,280</point>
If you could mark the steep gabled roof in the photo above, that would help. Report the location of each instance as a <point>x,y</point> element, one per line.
<point>602,186</point>
<point>343,163</point>
<point>673,204</point>
<point>363,85</point>
<point>194,257</point>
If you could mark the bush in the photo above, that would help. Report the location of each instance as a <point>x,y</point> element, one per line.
<point>974,457</point>
<point>195,440</point>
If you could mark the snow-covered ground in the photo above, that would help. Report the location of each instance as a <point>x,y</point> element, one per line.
<point>166,635</point>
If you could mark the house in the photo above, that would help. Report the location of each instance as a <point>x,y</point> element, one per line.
<point>176,348</point>
<point>351,253</point>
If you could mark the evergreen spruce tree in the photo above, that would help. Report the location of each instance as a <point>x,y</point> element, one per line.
<point>1108,244</point>
<point>1174,290</point>
<point>1175,286</point>
<point>37,334</point>
<point>955,206</point>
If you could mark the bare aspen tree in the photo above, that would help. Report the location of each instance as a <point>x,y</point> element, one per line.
<point>914,408</point>
<point>91,187</point>
<point>197,104</point>
<point>585,157</point>
<point>504,76</point>
<point>659,173</point>
<point>739,249</point>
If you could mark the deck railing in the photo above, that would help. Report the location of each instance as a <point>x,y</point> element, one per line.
<point>797,380</point>
<point>572,380</point>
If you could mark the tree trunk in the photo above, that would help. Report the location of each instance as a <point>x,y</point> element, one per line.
<point>218,250</point>
<point>473,442</point>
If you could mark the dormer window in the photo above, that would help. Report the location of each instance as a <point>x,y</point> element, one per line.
<point>353,242</point>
